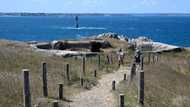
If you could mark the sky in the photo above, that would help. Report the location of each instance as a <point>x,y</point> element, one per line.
<point>96,6</point>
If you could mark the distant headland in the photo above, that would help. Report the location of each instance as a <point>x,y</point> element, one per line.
<point>96,14</point>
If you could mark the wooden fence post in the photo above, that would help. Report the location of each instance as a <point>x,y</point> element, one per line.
<point>125,77</point>
<point>98,61</point>
<point>55,104</point>
<point>153,58</point>
<point>26,88</point>
<point>111,58</point>
<point>122,100</point>
<point>113,85</point>
<point>133,71</point>
<point>60,91</point>
<point>67,72</point>
<point>142,63</point>
<point>81,81</point>
<point>149,55</point>
<point>44,77</point>
<point>95,73</point>
<point>108,59</point>
<point>141,88</point>
<point>157,55</point>
<point>83,65</point>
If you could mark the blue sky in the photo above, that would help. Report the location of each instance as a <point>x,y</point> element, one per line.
<point>96,6</point>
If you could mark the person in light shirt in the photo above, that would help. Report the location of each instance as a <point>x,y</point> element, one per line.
<point>120,55</point>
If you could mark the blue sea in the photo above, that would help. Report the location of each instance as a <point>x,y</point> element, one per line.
<point>162,28</point>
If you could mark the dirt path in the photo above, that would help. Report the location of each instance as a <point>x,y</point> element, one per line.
<point>100,96</point>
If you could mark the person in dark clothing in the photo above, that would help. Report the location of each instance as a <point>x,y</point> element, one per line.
<point>138,56</point>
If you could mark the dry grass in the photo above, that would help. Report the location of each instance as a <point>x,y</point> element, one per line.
<point>167,83</point>
<point>116,43</point>
<point>14,56</point>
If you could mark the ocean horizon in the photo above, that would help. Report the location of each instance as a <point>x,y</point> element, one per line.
<point>170,29</point>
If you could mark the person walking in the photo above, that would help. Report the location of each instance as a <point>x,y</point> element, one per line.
<point>137,57</point>
<point>120,55</point>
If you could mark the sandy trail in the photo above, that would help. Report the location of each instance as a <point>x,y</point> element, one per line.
<point>100,95</point>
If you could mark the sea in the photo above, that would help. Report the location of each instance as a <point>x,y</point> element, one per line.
<point>170,29</point>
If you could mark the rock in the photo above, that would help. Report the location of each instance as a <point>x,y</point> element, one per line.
<point>145,44</point>
<point>113,36</point>
<point>143,39</point>
<point>109,35</point>
<point>141,42</point>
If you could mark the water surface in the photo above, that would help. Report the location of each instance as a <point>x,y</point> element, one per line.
<point>168,29</point>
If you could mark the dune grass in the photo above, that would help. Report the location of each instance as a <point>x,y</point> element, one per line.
<point>15,56</point>
<point>167,82</point>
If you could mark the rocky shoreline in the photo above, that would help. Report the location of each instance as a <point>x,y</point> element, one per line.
<point>95,44</point>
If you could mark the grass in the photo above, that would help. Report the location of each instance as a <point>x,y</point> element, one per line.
<point>15,56</point>
<point>170,80</point>
<point>167,83</point>
<point>129,91</point>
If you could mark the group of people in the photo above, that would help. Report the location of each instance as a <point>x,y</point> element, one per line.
<point>121,56</point>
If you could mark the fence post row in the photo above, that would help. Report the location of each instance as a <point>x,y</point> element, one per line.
<point>44,77</point>
<point>153,57</point>
<point>141,88</point>
<point>26,88</point>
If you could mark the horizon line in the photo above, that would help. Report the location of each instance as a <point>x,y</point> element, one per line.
<point>96,13</point>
